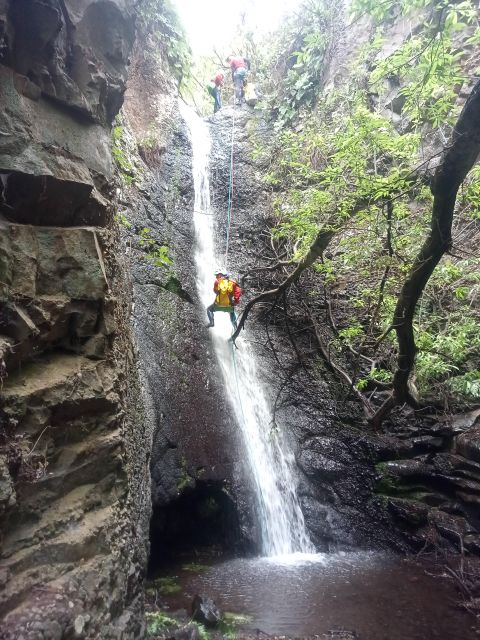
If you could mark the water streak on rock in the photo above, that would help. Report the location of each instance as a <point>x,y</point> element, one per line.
<point>281,519</point>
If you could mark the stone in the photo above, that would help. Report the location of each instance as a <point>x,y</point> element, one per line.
<point>95,347</point>
<point>407,468</point>
<point>472,542</point>
<point>468,444</point>
<point>464,421</point>
<point>315,464</point>
<point>424,444</point>
<point>70,150</point>
<point>451,527</point>
<point>43,261</point>
<point>79,625</point>
<point>7,489</point>
<point>16,323</point>
<point>75,52</point>
<point>188,632</point>
<point>84,318</point>
<point>410,511</point>
<point>74,485</point>
<point>205,611</point>
<point>324,457</point>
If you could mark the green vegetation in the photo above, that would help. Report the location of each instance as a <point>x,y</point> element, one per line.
<point>166,586</point>
<point>299,58</point>
<point>122,220</point>
<point>159,622</point>
<point>155,252</point>
<point>119,153</point>
<point>230,622</point>
<point>167,39</point>
<point>194,567</point>
<point>185,479</point>
<point>352,166</point>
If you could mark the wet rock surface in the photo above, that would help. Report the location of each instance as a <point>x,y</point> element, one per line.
<point>205,611</point>
<point>197,457</point>
<point>414,486</point>
<point>74,483</point>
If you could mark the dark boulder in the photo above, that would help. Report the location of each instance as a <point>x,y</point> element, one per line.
<point>205,611</point>
<point>188,632</point>
<point>468,444</point>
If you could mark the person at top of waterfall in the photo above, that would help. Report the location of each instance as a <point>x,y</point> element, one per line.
<point>215,90</point>
<point>227,296</point>
<point>239,66</point>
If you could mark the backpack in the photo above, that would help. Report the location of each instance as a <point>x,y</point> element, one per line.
<point>237,292</point>
<point>250,95</point>
<point>211,89</point>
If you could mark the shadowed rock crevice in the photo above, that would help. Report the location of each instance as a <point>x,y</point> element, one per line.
<point>48,201</point>
<point>202,517</point>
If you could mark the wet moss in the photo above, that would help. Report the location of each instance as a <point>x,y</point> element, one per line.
<point>166,586</point>
<point>230,623</point>
<point>386,484</point>
<point>194,567</point>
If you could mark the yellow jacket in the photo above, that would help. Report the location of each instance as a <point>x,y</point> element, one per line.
<point>224,289</point>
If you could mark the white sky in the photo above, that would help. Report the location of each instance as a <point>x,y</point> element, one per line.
<point>213,23</point>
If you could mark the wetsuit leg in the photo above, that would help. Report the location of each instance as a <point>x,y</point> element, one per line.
<point>218,100</point>
<point>238,83</point>
<point>233,319</point>
<point>210,316</point>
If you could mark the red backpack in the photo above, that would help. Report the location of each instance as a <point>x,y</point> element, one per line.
<point>237,292</point>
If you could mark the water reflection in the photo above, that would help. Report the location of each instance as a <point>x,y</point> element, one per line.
<point>378,596</point>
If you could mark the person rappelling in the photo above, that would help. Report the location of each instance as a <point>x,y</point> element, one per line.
<point>227,297</point>
<point>214,88</point>
<point>239,66</point>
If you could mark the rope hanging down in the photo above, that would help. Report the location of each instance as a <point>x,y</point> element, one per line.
<point>230,193</point>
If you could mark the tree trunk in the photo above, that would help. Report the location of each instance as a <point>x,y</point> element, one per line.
<point>458,159</point>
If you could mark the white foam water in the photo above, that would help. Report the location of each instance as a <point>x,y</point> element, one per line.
<point>281,519</point>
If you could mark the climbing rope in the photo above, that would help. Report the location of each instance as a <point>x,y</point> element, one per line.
<point>230,191</point>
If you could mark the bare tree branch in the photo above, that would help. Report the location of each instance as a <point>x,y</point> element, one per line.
<point>333,366</point>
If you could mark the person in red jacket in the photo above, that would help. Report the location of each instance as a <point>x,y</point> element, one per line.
<point>215,90</point>
<point>239,66</point>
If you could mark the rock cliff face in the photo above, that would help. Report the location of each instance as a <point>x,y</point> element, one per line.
<point>85,436</point>
<point>417,484</point>
<point>197,458</point>
<point>74,481</point>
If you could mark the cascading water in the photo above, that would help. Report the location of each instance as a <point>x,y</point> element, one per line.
<point>282,523</point>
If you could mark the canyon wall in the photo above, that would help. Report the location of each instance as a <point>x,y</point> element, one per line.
<point>74,449</point>
<point>197,455</point>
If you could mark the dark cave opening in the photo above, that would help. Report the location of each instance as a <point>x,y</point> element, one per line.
<point>202,518</point>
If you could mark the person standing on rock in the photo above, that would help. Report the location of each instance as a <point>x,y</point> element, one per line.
<point>239,67</point>
<point>215,90</point>
<point>227,297</point>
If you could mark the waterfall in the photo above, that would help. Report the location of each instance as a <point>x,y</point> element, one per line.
<point>281,519</point>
